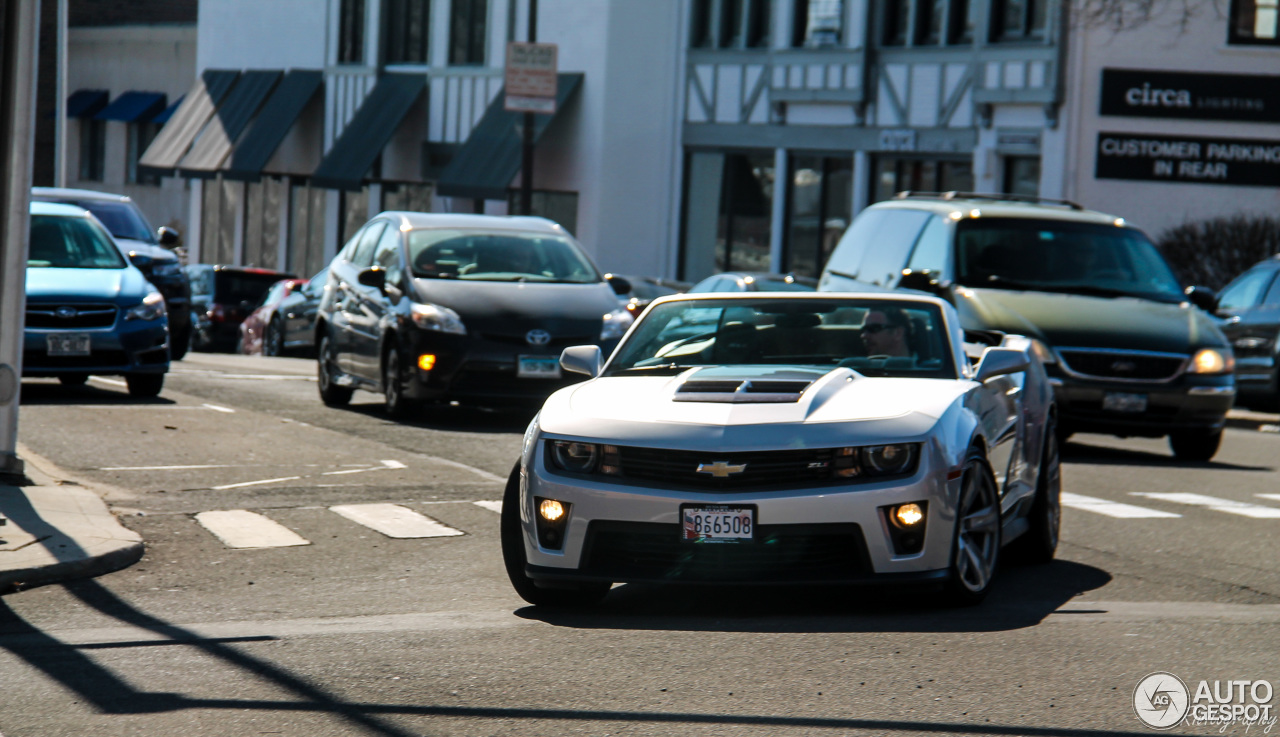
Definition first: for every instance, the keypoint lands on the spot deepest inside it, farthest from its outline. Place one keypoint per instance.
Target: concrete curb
(1255, 421)
(59, 531)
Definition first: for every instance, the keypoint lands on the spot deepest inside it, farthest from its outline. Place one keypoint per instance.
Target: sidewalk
(1257, 421)
(58, 530)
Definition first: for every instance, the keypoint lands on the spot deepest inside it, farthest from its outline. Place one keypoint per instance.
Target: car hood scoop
(741, 391)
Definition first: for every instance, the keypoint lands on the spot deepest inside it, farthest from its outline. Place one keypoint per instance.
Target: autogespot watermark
(1163, 701)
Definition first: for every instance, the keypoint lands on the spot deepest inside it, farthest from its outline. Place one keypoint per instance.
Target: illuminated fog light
(908, 515)
(551, 510)
(426, 362)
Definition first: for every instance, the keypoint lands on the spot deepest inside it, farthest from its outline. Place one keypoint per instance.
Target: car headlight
(166, 268)
(152, 308)
(577, 457)
(616, 324)
(888, 460)
(440, 319)
(1043, 352)
(1212, 361)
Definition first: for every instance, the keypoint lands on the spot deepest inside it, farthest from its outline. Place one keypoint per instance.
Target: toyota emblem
(537, 337)
(65, 313)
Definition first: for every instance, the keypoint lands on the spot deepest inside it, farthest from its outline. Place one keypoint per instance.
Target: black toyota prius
(471, 308)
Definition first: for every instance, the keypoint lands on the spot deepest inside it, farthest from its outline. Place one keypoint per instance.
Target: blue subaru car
(89, 311)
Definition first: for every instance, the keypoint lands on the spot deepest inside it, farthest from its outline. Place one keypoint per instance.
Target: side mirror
(620, 285)
(167, 236)
(582, 359)
(1001, 361)
(374, 277)
(924, 281)
(1202, 297)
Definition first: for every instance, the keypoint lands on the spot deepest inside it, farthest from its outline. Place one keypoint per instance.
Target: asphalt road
(352, 632)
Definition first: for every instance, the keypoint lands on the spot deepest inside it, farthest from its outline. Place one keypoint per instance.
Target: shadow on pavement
(50, 393)
(1076, 451)
(1022, 597)
(457, 418)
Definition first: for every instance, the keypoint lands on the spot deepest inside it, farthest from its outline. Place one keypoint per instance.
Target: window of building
(927, 22)
(893, 174)
(93, 149)
(306, 229)
(137, 137)
(818, 23)
(406, 197)
(1019, 19)
(819, 209)
(897, 17)
(1021, 175)
(405, 31)
(558, 207)
(730, 24)
(351, 32)
(263, 202)
(1254, 22)
(735, 234)
(468, 21)
(929, 19)
(354, 207)
(219, 205)
(962, 21)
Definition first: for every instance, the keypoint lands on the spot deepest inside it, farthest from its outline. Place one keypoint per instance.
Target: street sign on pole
(531, 78)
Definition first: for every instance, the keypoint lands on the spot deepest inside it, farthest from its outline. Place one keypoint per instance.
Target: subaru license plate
(713, 524)
(1124, 402)
(68, 344)
(538, 367)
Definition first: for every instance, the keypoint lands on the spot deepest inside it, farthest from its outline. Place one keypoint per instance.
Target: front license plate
(717, 524)
(538, 367)
(1124, 402)
(68, 344)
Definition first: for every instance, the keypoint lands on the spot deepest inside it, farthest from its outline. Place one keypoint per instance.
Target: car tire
(330, 393)
(513, 557)
(1040, 542)
(144, 385)
(975, 544)
(397, 405)
(179, 343)
(1195, 445)
(273, 338)
(73, 379)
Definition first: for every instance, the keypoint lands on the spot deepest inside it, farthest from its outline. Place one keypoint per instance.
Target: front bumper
(1188, 402)
(472, 367)
(822, 534)
(140, 346)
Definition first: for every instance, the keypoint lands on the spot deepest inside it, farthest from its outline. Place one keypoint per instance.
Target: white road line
(491, 506)
(216, 408)
(1110, 508)
(112, 382)
(1273, 497)
(394, 520)
(239, 528)
(393, 464)
(1268, 428)
(162, 468)
(385, 465)
(472, 469)
(1244, 509)
(255, 483)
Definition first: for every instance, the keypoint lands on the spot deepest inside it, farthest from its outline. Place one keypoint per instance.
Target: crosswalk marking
(1110, 508)
(255, 483)
(394, 520)
(239, 528)
(1257, 511)
(491, 506)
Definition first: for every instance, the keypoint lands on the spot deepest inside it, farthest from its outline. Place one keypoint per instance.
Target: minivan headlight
(166, 268)
(1212, 361)
(616, 324)
(152, 308)
(440, 319)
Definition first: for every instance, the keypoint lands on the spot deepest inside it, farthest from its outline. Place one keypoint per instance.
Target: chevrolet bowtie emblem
(721, 469)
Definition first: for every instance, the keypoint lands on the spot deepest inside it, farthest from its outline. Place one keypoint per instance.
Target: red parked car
(221, 298)
(285, 318)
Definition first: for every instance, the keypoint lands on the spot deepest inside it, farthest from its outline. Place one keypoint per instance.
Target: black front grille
(643, 551)
(97, 359)
(1123, 365)
(45, 316)
(556, 341)
(760, 468)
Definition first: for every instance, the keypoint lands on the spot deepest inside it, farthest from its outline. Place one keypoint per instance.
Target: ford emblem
(65, 313)
(537, 337)
(1124, 367)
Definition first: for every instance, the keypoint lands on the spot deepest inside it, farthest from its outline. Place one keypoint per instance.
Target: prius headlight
(1212, 361)
(440, 319)
(152, 308)
(616, 324)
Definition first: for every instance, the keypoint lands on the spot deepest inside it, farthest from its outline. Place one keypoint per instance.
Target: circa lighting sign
(1252, 98)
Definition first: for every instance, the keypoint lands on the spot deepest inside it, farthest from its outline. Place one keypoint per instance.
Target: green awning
(353, 154)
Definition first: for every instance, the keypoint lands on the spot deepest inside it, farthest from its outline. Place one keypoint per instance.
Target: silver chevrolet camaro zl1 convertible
(787, 439)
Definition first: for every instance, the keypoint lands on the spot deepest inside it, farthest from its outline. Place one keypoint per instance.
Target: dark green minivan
(1129, 351)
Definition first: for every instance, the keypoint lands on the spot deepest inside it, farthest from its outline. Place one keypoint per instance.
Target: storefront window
(892, 175)
(728, 213)
(406, 197)
(306, 230)
(1022, 175)
(1255, 22)
(220, 203)
(262, 222)
(818, 23)
(819, 209)
(355, 213)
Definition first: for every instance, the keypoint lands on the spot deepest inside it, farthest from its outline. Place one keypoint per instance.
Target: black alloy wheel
(330, 393)
(975, 547)
(1195, 445)
(1040, 542)
(513, 557)
(396, 403)
(144, 385)
(73, 379)
(273, 338)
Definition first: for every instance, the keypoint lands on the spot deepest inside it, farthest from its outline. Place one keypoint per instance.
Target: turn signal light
(426, 361)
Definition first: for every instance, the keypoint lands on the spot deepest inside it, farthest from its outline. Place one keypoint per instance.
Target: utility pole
(60, 102)
(526, 153)
(19, 31)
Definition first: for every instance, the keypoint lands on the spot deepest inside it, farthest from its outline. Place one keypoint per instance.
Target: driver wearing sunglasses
(885, 333)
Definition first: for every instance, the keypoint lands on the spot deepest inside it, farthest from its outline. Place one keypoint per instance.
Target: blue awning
(134, 107)
(84, 103)
(168, 112)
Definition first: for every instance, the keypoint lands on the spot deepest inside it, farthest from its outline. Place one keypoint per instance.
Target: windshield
(121, 219)
(1082, 258)
(876, 337)
(498, 256)
(71, 243)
